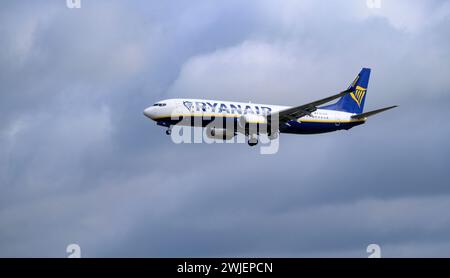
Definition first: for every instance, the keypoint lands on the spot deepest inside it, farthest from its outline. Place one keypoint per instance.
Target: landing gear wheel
(252, 142)
(168, 131)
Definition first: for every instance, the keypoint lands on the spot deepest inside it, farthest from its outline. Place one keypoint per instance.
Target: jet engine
(253, 124)
(252, 119)
(220, 133)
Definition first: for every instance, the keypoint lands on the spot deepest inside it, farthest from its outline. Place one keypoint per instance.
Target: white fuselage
(174, 108)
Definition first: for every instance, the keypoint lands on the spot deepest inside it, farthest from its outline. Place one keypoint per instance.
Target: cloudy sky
(79, 163)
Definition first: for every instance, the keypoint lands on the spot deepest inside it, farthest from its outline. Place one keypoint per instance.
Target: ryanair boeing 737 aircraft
(255, 119)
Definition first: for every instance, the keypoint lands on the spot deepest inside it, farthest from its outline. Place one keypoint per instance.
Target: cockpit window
(159, 104)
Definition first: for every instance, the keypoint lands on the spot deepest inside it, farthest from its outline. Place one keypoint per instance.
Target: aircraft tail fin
(354, 102)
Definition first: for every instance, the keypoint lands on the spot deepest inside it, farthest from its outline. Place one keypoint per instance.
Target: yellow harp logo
(358, 94)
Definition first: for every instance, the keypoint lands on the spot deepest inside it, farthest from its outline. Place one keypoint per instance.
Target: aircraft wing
(367, 114)
(299, 111)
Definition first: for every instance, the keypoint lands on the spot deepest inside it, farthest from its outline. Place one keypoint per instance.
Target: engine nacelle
(253, 124)
(252, 119)
(220, 133)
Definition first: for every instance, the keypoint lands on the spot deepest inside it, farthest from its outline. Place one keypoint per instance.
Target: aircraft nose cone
(149, 113)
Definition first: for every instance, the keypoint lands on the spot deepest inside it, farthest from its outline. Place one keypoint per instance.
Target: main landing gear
(253, 138)
(252, 141)
(169, 131)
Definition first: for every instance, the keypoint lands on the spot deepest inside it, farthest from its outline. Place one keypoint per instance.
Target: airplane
(253, 120)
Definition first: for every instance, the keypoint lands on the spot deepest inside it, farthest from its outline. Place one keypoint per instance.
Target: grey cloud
(80, 163)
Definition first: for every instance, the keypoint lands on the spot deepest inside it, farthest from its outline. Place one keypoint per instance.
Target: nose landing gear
(169, 131)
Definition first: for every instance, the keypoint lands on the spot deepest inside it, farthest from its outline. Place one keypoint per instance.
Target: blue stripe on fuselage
(295, 127)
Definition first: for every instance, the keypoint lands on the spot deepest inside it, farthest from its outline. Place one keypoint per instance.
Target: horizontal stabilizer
(370, 113)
